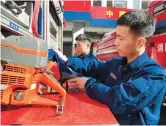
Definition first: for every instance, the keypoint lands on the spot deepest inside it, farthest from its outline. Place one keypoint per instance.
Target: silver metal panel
(9, 24)
(13, 57)
(22, 19)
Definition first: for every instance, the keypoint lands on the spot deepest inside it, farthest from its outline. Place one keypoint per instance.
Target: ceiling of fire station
(96, 33)
(93, 35)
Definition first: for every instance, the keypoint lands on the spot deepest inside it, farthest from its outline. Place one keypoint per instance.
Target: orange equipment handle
(53, 66)
(46, 79)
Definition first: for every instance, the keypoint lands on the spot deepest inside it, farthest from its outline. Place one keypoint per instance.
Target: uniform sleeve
(74, 63)
(77, 65)
(51, 53)
(91, 67)
(126, 97)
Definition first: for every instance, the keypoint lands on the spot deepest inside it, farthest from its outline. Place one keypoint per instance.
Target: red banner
(79, 6)
(107, 12)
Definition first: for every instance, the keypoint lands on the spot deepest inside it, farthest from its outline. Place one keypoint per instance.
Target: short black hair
(139, 21)
(83, 37)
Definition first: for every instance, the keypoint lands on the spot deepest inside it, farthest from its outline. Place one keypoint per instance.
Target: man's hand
(60, 54)
(78, 82)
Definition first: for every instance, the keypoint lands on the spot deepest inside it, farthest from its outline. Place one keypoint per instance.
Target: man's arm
(126, 97)
(88, 67)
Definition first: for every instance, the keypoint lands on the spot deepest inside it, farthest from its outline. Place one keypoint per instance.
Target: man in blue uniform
(133, 85)
(81, 62)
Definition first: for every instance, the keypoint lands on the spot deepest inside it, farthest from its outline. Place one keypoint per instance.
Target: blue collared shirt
(133, 91)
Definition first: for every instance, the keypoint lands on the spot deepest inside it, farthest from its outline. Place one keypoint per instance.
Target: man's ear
(141, 41)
